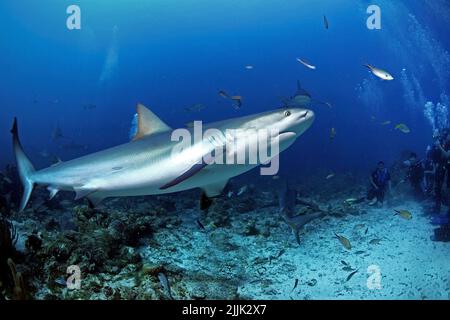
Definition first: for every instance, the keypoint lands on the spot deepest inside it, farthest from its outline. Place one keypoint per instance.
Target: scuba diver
(441, 155)
(415, 175)
(379, 181)
(441, 159)
(429, 168)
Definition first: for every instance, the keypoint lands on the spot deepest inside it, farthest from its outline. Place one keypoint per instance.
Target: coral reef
(164, 247)
(8, 239)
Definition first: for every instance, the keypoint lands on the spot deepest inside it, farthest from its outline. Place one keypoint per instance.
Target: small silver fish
(200, 225)
(165, 284)
(295, 285)
(8, 180)
(351, 275)
(61, 281)
(325, 22)
(383, 75)
(242, 190)
(328, 177)
(306, 64)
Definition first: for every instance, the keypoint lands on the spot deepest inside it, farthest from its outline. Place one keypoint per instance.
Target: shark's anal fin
(148, 123)
(82, 192)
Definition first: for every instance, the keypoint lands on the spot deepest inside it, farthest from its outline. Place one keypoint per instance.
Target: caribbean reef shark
(301, 99)
(152, 163)
(287, 199)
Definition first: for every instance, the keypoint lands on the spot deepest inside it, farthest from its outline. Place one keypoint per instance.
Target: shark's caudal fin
(24, 166)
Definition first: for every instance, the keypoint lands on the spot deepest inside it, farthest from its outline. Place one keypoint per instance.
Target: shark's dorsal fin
(57, 161)
(148, 123)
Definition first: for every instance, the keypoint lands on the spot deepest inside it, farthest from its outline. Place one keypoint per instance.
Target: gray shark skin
(287, 200)
(148, 164)
(300, 99)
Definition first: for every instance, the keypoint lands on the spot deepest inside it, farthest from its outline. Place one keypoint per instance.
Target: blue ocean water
(75, 92)
(172, 54)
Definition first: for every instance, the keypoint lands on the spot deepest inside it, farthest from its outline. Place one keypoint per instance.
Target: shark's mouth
(287, 134)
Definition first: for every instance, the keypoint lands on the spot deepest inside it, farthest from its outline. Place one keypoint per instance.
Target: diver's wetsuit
(442, 171)
(381, 179)
(428, 167)
(415, 176)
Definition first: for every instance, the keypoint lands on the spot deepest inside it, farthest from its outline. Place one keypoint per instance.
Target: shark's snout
(307, 115)
(304, 119)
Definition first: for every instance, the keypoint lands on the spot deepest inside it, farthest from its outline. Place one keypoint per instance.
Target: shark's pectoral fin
(194, 169)
(148, 123)
(186, 175)
(82, 192)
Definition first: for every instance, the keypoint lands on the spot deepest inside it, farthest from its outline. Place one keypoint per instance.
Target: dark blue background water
(172, 54)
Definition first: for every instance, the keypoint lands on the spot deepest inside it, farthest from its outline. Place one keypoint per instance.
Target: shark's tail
(24, 166)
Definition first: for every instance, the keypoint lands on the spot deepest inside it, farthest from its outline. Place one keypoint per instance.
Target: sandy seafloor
(246, 251)
(411, 266)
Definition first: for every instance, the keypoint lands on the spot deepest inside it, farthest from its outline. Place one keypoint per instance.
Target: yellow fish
(403, 128)
(405, 214)
(386, 123)
(344, 241)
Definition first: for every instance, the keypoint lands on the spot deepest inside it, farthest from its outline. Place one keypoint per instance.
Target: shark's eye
(287, 113)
